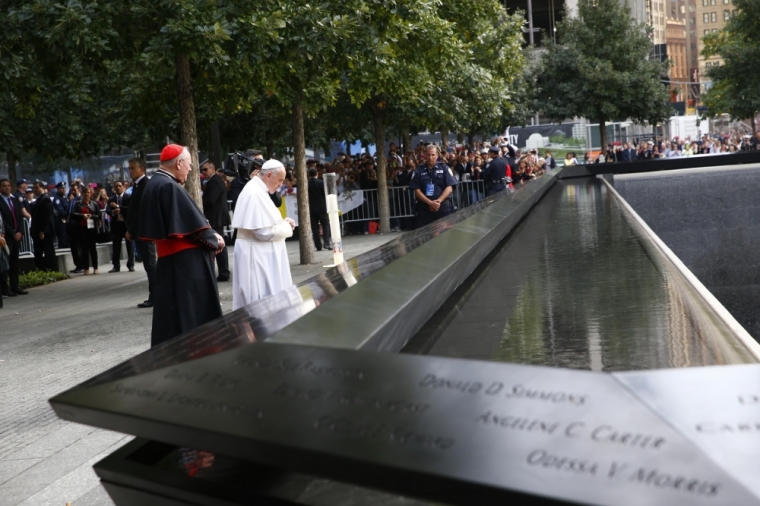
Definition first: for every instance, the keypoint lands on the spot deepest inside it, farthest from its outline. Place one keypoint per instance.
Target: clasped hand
(291, 223)
(220, 240)
(435, 205)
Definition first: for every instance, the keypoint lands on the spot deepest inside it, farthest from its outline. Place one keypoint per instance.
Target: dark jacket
(215, 202)
(133, 214)
(10, 229)
(60, 206)
(21, 198)
(42, 216)
(317, 201)
(123, 207)
(78, 216)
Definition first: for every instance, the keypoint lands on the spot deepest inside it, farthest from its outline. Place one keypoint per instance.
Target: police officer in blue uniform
(61, 214)
(432, 183)
(495, 173)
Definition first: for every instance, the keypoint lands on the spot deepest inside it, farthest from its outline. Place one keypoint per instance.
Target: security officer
(495, 173)
(61, 214)
(22, 185)
(432, 183)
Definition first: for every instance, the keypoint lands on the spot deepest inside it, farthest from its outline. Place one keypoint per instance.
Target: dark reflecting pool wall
(709, 218)
(573, 287)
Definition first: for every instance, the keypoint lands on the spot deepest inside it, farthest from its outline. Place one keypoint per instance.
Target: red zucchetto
(171, 151)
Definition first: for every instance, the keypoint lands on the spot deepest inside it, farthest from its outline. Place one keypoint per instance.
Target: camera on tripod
(243, 164)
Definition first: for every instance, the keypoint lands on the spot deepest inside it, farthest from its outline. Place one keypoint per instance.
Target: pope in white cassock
(261, 259)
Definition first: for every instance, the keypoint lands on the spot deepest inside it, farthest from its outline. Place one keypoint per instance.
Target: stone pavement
(60, 335)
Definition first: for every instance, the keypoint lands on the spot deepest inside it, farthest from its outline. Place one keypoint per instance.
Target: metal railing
(403, 203)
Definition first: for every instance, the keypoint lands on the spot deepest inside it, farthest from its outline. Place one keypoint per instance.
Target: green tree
(483, 85)
(736, 86)
(601, 69)
(397, 62)
(49, 98)
(186, 49)
(299, 50)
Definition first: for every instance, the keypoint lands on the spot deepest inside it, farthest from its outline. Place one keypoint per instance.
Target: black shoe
(114, 270)
(220, 278)
(131, 269)
(19, 291)
(78, 271)
(145, 304)
(138, 260)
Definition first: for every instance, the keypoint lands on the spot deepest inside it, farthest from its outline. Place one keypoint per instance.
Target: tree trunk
(348, 148)
(752, 121)
(216, 145)
(378, 115)
(299, 153)
(187, 127)
(603, 134)
(444, 138)
(407, 140)
(471, 140)
(11, 158)
(460, 138)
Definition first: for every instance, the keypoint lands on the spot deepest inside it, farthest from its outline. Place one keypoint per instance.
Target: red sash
(166, 247)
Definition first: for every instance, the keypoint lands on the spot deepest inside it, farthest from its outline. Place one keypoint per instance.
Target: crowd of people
(658, 148)
(77, 218)
(80, 216)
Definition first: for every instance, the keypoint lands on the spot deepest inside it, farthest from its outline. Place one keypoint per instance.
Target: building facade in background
(711, 17)
(675, 40)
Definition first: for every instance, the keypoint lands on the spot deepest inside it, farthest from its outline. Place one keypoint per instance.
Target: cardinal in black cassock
(186, 295)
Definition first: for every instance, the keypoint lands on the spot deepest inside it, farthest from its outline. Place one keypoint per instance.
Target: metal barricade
(467, 193)
(26, 238)
(402, 203)
(103, 226)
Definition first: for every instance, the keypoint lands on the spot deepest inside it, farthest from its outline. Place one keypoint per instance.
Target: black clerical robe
(186, 295)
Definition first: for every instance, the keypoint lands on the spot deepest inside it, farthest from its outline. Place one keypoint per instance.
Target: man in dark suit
(117, 208)
(43, 230)
(14, 227)
(629, 153)
(60, 214)
(217, 213)
(318, 210)
(147, 249)
(72, 228)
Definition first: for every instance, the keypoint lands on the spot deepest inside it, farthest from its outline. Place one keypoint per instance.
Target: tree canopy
(601, 69)
(735, 83)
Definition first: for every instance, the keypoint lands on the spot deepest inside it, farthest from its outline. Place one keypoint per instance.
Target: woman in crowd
(87, 213)
(569, 160)
(102, 199)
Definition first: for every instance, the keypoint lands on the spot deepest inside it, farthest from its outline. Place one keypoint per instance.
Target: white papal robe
(261, 266)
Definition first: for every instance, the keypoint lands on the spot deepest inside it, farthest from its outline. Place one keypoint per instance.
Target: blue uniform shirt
(440, 176)
(60, 206)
